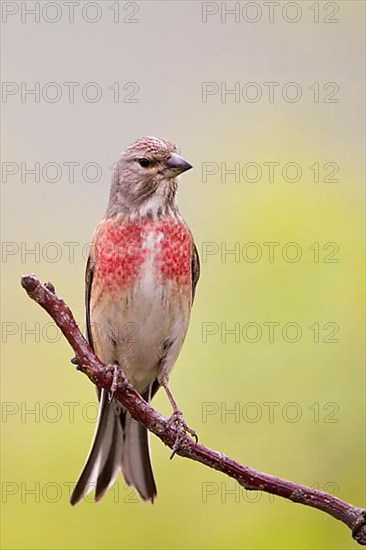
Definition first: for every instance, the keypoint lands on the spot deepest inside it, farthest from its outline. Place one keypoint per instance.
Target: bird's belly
(136, 323)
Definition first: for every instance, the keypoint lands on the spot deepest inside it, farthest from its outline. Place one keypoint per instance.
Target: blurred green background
(314, 387)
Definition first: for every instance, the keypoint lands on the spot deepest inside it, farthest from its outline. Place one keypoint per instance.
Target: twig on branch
(104, 376)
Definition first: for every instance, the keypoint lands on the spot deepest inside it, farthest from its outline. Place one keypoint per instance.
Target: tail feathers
(108, 474)
(107, 442)
(120, 443)
(136, 464)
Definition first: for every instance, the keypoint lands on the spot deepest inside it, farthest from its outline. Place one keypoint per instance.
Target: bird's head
(144, 181)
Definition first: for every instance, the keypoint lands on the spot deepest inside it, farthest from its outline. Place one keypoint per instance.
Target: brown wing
(89, 272)
(88, 285)
(196, 270)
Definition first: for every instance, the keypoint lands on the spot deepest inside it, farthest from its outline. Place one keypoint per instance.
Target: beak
(176, 165)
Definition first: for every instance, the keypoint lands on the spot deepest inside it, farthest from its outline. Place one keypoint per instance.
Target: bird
(140, 283)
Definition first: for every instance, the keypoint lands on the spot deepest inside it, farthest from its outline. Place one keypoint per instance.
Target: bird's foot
(114, 384)
(177, 420)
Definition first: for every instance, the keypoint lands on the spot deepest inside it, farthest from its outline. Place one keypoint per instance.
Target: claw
(50, 287)
(178, 420)
(114, 384)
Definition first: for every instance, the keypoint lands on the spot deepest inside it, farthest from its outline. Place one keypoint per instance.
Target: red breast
(122, 247)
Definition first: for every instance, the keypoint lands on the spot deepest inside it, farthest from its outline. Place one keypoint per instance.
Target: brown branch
(102, 376)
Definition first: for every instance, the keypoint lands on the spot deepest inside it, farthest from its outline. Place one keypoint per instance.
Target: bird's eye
(144, 162)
